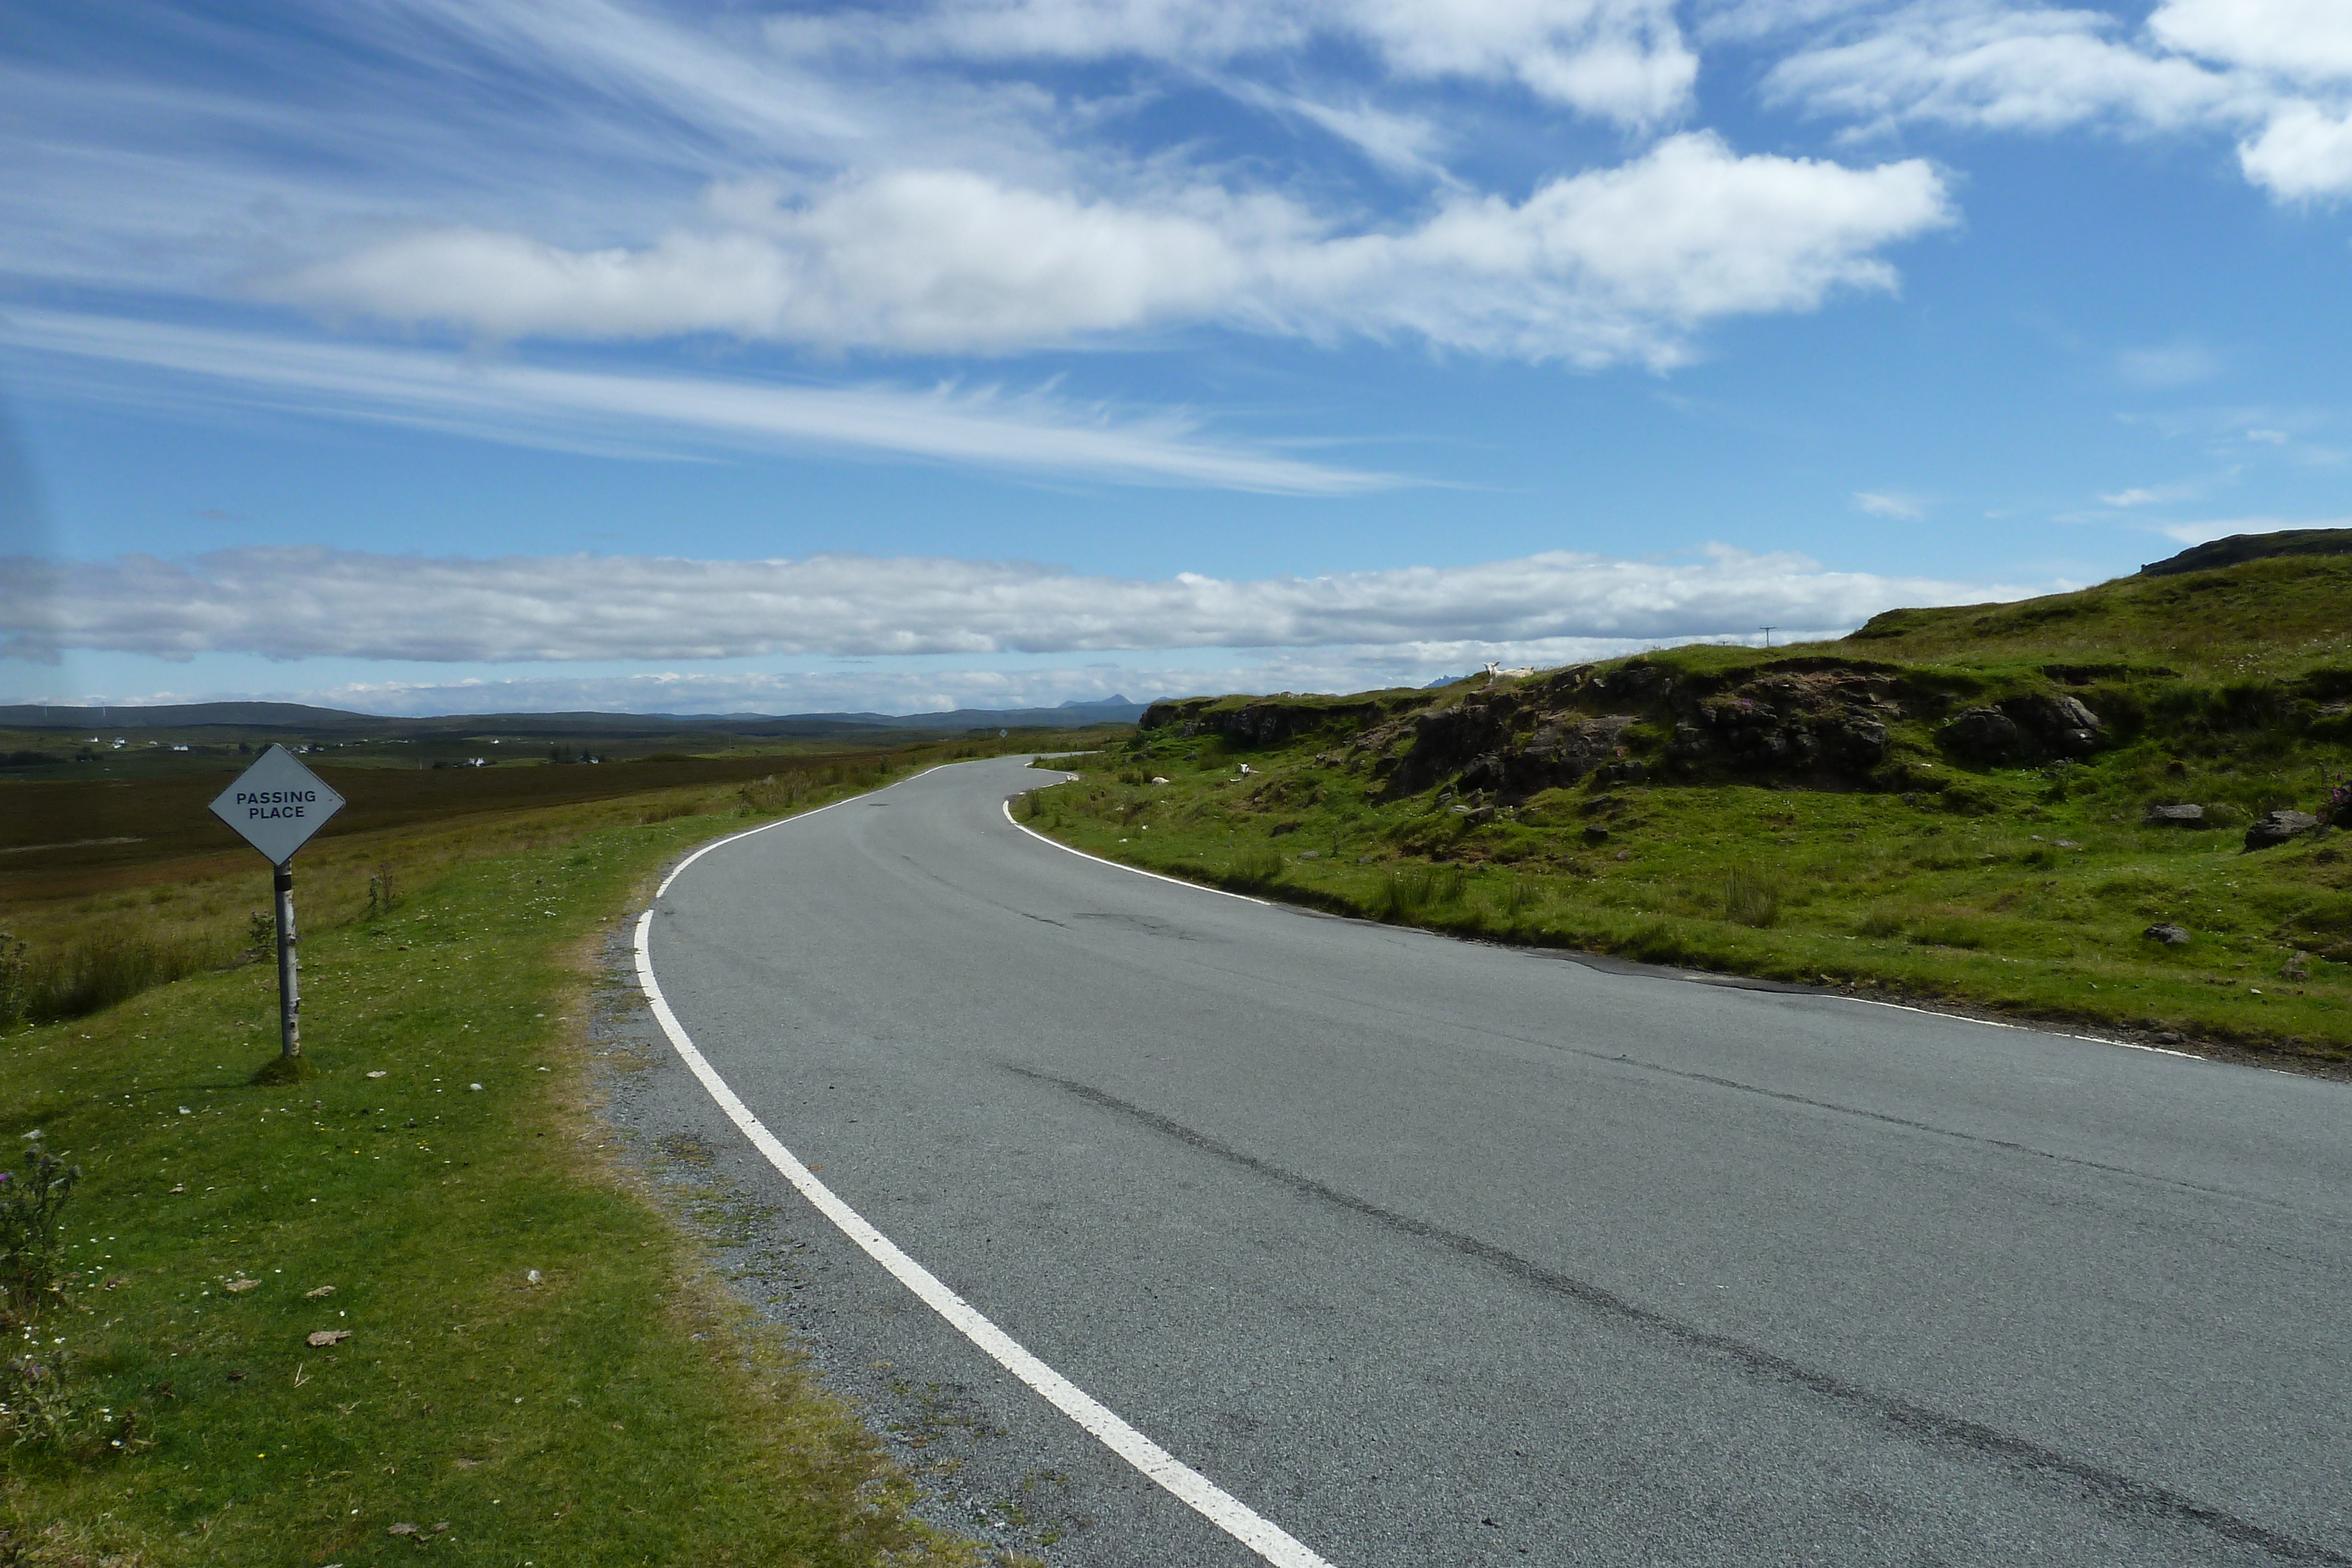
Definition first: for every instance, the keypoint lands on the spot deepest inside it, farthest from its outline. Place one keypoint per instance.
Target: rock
(2058, 721)
(2169, 934)
(1595, 833)
(241, 1285)
(1310, 854)
(2174, 817)
(403, 1529)
(377, 1074)
(321, 1291)
(1157, 779)
(2279, 827)
(1281, 828)
(325, 1337)
(1984, 734)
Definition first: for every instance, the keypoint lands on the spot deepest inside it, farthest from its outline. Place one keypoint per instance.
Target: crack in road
(2110, 1488)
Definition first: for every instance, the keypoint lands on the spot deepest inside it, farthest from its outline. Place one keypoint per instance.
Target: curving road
(1436, 1253)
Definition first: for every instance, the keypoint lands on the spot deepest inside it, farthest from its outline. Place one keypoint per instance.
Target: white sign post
(274, 806)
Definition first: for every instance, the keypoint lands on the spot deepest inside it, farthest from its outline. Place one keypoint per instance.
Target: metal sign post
(274, 806)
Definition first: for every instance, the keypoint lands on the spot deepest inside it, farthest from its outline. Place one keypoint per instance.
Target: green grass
(618, 1410)
(2024, 890)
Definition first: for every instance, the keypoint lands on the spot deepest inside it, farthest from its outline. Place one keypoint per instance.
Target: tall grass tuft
(1520, 894)
(1750, 897)
(1417, 889)
(1256, 866)
(107, 967)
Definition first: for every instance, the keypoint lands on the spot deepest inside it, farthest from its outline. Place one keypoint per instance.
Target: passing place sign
(277, 804)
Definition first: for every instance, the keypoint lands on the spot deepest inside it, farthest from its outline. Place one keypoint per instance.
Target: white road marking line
(679, 869)
(1219, 1506)
(1867, 1001)
(1170, 881)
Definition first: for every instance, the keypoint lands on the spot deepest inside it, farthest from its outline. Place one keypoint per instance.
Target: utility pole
(1767, 636)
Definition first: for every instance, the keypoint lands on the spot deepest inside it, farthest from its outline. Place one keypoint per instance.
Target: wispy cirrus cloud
(299, 603)
(1887, 504)
(655, 414)
(2275, 74)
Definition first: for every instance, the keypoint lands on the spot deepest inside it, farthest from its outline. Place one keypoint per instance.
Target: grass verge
(2035, 902)
(537, 1368)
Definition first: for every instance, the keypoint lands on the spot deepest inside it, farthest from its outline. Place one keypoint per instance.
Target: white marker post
(274, 806)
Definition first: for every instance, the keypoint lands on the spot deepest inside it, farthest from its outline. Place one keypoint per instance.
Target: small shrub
(1750, 897)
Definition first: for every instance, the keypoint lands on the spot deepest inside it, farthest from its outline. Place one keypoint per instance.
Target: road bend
(1437, 1253)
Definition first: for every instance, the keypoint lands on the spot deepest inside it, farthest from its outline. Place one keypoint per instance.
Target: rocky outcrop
(1805, 717)
(1260, 722)
(2174, 817)
(2031, 729)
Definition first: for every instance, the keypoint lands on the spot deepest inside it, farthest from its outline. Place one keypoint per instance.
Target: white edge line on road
(1219, 1506)
(1120, 866)
(1865, 1001)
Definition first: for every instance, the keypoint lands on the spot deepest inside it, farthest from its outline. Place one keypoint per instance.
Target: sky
(424, 356)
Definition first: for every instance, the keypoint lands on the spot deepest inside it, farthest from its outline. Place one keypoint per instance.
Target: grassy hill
(1951, 804)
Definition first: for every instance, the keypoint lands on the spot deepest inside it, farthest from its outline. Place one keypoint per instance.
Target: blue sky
(414, 356)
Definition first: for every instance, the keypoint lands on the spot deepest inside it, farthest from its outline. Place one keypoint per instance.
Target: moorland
(2060, 809)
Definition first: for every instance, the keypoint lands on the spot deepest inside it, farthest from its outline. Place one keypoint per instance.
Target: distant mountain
(298, 716)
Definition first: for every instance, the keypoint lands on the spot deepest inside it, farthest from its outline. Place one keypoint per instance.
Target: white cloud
(2303, 153)
(2172, 365)
(1621, 60)
(2148, 496)
(636, 414)
(1986, 65)
(1611, 266)
(2308, 40)
(307, 602)
(1882, 504)
(2274, 73)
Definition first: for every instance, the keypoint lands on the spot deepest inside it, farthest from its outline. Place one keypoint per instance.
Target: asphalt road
(1435, 1252)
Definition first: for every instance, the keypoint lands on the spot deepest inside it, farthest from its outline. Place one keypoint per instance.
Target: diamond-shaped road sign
(277, 804)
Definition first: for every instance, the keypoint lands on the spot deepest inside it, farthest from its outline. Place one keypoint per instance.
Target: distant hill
(297, 717)
(2239, 548)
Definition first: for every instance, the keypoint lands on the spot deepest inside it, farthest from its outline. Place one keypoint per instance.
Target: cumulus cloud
(1615, 265)
(658, 415)
(2277, 74)
(306, 602)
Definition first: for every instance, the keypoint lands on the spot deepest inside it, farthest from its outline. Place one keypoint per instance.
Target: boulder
(2169, 934)
(2058, 721)
(1984, 734)
(2174, 817)
(2278, 827)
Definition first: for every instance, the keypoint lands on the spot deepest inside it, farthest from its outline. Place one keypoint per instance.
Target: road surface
(1432, 1252)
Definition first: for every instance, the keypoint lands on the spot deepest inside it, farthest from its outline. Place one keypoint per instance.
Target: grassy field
(538, 1367)
(2027, 887)
(112, 887)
